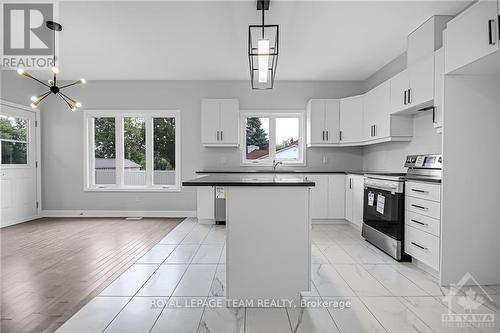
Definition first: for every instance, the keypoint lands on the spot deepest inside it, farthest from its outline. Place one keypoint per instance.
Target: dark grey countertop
(243, 179)
(282, 171)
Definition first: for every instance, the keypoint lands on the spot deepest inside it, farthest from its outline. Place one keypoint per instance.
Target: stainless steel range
(383, 205)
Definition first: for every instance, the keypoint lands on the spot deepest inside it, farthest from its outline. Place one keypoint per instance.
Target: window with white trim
(132, 150)
(269, 137)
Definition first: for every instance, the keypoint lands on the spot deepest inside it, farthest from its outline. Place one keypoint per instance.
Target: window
(14, 140)
(137, 151)
(269, 137)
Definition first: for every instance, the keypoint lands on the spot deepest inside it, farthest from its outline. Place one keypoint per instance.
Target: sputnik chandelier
(52, 83)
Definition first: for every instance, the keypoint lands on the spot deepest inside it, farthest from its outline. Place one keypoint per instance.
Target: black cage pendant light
(52, 83)
(263, 42)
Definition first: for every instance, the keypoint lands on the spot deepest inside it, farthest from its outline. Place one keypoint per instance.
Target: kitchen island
(268, 244)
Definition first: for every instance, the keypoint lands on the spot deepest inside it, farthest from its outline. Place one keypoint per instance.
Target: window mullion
(149, 151)
(119, 150)
(272, 138)
(91, 150)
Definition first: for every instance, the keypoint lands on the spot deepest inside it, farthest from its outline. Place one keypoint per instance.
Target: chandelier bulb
(78, 104)
(34, 99)
(55, 70)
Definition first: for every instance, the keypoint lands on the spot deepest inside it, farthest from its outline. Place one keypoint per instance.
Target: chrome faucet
(276, 163)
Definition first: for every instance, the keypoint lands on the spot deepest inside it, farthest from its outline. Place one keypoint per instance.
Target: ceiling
(207, 40)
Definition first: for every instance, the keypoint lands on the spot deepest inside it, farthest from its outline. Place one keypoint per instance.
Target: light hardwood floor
(50, 268)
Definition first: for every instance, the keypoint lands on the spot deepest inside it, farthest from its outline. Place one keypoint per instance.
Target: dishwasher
(220, 205)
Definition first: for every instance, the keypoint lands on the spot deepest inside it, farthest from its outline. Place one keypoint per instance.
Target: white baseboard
(117, 213)
(20, 221)
(329, 221)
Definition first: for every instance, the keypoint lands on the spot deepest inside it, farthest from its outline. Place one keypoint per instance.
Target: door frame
(37, 147)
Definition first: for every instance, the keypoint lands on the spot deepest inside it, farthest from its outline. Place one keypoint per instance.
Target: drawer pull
(421, 223)
(419, 207)
(419, 191)
(419, 246)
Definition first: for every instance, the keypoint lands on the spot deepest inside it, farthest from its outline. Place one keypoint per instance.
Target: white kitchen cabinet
(376, 113)
(426, 39)
(336, 196)
(354, 199)
(322, 122)
(220, 122)
(471, 35)
(413, 88)
(319, 196)
(437, 117)
(205, 205)
(351, 119)
(328, 196)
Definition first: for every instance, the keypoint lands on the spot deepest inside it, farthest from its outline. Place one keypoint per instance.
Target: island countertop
(249, 180)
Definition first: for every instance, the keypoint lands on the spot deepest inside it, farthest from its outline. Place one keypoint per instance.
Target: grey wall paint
(390, 156)
(392, 68)
(17, 89)
(62, 136)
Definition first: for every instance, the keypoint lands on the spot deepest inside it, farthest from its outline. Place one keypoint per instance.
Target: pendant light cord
(54, 57)
(262, 20)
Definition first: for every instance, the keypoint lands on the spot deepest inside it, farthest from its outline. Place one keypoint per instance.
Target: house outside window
(268, 137)
(132, 151)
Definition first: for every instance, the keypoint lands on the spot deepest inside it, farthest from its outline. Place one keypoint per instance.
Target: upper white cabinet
(376, 117)
(322, 122)
(219, 122)
(471, 35)
(426, 39)
(351, 120)
(413, 88)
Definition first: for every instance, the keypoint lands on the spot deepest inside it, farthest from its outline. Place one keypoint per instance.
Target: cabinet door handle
(374, 130)
(434, 114)
(323, 135)
(491, 38)
(421, 223)
(221, 135)
(409, 96)
(420, 246)
(340, 135)
(326, 135)
(419, 191)
(404, 97)
(350, 182)
(419, 207)
(217, 135)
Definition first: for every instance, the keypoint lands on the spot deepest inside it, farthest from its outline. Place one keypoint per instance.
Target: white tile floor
(174, 287)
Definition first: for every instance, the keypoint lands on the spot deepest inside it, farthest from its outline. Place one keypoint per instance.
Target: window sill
(133, 189)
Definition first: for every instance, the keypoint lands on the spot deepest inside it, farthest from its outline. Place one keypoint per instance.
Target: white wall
(390, 156)
(62, 134)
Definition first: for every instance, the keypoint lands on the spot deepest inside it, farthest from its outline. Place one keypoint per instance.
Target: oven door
(383, 211)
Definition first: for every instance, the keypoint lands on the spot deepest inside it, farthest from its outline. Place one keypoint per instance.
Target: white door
(357, 201)
(422, 81)
(229, 119)
(399, 89)
(348, 198)
(18, 174)
(336, 196)
(319, 196)
(471, 35)
(332, 118)
(351, 119)
(316, 122)
(210, 121)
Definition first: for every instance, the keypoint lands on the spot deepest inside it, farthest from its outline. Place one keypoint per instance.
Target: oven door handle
(380, 187)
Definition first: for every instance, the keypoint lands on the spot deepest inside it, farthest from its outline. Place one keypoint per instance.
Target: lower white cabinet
(205, 207)
(328, 196)
(354, 189)
(423, 222)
